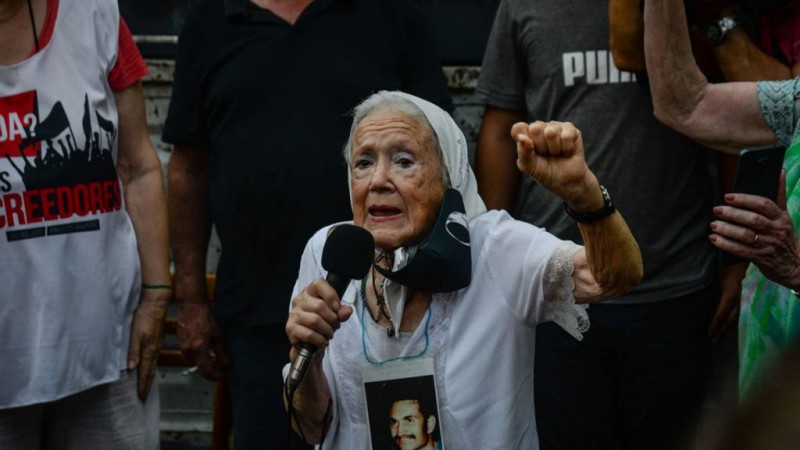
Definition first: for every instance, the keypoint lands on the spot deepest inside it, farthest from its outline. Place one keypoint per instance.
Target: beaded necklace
(383, 312)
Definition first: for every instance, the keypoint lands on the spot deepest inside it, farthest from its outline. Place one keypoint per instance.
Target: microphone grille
(348, 251)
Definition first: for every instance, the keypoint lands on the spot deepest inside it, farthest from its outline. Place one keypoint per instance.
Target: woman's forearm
(611, 263)
(725, 116)
(676, 82)
(148, 212)
(139, 169)
(311, 403)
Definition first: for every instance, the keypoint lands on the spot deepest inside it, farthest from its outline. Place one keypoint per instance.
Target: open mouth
(379, 211)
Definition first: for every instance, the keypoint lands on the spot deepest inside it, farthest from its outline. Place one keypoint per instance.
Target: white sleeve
(310, 263)
(559, 304)
(531, 269)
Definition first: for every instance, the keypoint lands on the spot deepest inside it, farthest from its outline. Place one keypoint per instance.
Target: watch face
(716, 32)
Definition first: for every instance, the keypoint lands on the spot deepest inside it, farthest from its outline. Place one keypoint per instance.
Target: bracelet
(607, 210)
(157, 286)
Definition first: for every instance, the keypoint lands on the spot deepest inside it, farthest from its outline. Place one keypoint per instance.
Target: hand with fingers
(316, 313)
(200, 339)
(553, 154)
(146, 334)
(760, 231)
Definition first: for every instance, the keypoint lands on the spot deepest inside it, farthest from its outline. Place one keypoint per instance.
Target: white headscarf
(454, 149)
(453, 145)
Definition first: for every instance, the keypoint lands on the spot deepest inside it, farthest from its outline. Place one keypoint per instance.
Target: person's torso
(658, 179)
(482, 347)
(71, 273)
(770, 318)
(278, 102)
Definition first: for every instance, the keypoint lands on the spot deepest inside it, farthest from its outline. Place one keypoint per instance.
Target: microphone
(347, 255)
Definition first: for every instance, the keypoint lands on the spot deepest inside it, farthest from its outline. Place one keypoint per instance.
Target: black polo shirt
(272, 102)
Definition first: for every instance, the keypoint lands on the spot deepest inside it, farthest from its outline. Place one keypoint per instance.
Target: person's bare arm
(139, 170)
(626, 37)
(496, 159)
(610, 264)
(741, 60)
(316, 313)
(310, 405)
(725, 116)
(190, 227)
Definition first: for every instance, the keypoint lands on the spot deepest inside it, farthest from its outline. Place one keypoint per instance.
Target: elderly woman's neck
(416, 304)
(384, 259)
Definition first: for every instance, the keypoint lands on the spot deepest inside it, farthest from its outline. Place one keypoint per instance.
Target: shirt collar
(241, 8)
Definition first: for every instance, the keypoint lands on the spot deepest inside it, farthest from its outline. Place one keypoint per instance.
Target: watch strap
(607, 210)
(716, 32)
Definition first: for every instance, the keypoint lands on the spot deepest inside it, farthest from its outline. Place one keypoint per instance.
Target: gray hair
(391, 101)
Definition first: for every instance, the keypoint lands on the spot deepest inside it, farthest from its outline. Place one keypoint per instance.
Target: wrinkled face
(397, 179)
(408, 427)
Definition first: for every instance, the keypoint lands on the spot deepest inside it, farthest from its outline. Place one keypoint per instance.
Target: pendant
(390, 331)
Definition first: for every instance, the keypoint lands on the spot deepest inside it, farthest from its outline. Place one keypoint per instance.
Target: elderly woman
(728, 117)
(403, 155)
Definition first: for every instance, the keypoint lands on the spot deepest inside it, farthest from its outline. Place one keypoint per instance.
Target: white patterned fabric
(780, 104)
(482, 338)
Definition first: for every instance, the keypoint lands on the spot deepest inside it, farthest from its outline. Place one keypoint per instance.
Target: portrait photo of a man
(403, 414)
(413, 425)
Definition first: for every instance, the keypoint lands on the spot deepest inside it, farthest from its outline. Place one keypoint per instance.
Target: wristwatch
(716, 32)
(607, 210)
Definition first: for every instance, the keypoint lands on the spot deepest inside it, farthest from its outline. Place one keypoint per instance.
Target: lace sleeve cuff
(559, 302)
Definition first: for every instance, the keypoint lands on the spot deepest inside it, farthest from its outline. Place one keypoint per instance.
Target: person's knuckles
(536, 134)
(552, 131)
(319, 307)
(312, 337)
(319, 323)
(535, 127)
(519, 128)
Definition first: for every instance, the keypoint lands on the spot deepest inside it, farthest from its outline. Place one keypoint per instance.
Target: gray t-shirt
(552, 59)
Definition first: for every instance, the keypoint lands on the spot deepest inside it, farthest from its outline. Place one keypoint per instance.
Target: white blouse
(482, 338)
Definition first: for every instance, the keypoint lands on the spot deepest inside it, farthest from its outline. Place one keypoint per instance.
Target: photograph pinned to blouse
(403, 405)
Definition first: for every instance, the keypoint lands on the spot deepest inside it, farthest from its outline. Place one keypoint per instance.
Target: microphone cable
(292, 416)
